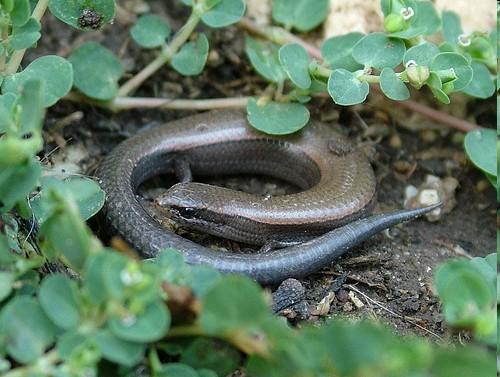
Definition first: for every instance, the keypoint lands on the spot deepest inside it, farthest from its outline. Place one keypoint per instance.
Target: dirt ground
(389, 276)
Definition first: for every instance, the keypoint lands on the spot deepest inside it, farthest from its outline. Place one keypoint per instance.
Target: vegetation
(124, 316)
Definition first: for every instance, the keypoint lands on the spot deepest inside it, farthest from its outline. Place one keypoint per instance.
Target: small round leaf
(422, 54)
(58, 300)
(54, 71)
(148, 326)
(481, 85)
(481, 147)
(452, 27)
(118, 350)
(345, 89)
(303, 15)
(337, 51)
(20, 13)
(97, 71)
(392, 86)
(460, 65)
(71, 12)
(150, 31)
(295, 62)
(225, 13)
(379, 51)
(192, 57)
(26, 35)
(264, 59)
(238, 300)
(26, 330)
(277, 118)
(177, 370)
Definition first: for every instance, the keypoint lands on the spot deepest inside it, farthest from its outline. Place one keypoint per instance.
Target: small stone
(355, 300)
(482, 185)
(395, 141)
(428, 136)
(434, 190)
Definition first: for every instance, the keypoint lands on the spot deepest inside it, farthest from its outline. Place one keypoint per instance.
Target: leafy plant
(394, 60)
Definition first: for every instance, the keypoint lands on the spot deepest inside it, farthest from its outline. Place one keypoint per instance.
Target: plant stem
(126, 103)
(277, 35)
(129, 103)
(371, 79)
(165, 56)
(18, 55)
(281, 36)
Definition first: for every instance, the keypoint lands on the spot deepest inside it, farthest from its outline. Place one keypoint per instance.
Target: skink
(337, 183)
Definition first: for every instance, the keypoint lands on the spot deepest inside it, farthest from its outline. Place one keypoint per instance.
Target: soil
(388, 277)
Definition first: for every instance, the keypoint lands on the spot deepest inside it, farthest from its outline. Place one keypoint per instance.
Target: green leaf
(295, 61)
(277, 118)
(464, 292)
(337, 51)
(97, 71)
(150, 31)
(264, 59)
(211, 354)
(392, 86)
(26, 330)
(58, 300)
(174, 269)
(225, 13)
(303, 15)
(379, 51)
(436, 86)
(54, 71)
(64, 233)
(452, 27)
(345, 89)
(481, 85)
(192, 57)
(421, 54)
(30, 102)
(236, 299)
(177, 370)
(149, 326)
(118, 350)
(17, 181)
(77, 348)
(458, 63)
(6, 280)
(203, 278)
(86, 192)
(463, 362)
(487, 267)
(480, 146)
(71, 11)
(26, 35)
(395, 6)
(21, 12)
(427, 17)
(94, 273)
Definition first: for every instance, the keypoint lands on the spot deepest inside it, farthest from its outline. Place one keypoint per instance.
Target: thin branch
(129, 103)
(376, 303)
(281, 36)
(18, 55)
(165, 56)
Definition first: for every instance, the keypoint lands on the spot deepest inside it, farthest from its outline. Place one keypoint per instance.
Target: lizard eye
(188, 212)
